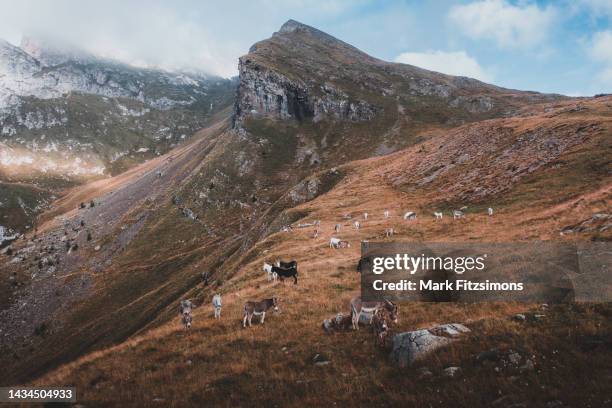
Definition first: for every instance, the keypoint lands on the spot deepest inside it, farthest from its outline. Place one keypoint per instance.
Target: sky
(562, 46)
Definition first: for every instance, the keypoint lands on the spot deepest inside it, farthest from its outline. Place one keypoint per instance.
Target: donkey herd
(379, 315)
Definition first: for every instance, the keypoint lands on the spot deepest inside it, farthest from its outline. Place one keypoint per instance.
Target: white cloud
(600, 50)
(520, 26)
(598, 7)
(451, 63)
(186, 34)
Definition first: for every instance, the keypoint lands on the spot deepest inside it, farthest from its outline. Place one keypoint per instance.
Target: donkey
(490, 211)
(358, 307)
(217, 305)
(185, 312)
(458, 214)
(286, 273)
(340, 322)
(386, 214)
(259, 309)
(410, 215)
(186, 320)
(438, 215)
(380, 325)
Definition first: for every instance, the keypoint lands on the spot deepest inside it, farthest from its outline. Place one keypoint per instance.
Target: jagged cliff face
(267, 93)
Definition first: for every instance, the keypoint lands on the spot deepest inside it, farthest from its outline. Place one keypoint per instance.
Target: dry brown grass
(223, 364)
(219, 363)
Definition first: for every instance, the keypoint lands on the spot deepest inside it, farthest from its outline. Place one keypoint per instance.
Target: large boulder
(411, 346)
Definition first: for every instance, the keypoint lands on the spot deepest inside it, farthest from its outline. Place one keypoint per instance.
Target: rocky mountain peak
(304, 74)
(292, 26)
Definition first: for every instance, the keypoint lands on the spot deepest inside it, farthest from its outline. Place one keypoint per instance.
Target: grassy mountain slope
(222, 363)
(290, 154)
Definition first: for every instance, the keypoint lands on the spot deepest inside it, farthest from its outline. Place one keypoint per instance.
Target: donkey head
(275, 304)
(187, 320)
(392, 309)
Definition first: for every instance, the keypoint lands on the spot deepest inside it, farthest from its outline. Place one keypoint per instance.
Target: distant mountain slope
(67, 116)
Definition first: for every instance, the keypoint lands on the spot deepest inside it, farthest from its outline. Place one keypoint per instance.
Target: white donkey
(458, 214)
(272, 276)
(217, 304)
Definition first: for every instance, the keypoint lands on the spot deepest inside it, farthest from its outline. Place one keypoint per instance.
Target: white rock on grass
(452, 371)
(411, 346)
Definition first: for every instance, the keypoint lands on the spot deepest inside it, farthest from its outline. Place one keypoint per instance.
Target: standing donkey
(217, 304)
(369, 308)
(258, 309)
(185, 312)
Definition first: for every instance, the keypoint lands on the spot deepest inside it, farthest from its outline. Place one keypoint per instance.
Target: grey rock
(452, 371)
(411, 346)
(514, 358)
(528, 366)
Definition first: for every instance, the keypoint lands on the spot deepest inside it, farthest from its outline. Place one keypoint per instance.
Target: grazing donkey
(389, 232)
(340, 322)
(286, 273)
(338, 243)
(438, 215)
(217, 304)
(458, 214)
(258, 309)
(185, 310)
(358, 307)
(410, 215)
(365, 215)
(357, 225)
(386, 213)
(186, 320)
(490, 211)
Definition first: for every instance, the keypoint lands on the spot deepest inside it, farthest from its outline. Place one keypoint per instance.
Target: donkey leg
(244, 321)
(356, 320)
(263, 317)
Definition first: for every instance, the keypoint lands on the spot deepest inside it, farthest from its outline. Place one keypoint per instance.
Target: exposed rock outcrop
(411, 346)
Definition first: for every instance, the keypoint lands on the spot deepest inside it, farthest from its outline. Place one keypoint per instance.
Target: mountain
(328, 86)
(319, 131)
(67, 117)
